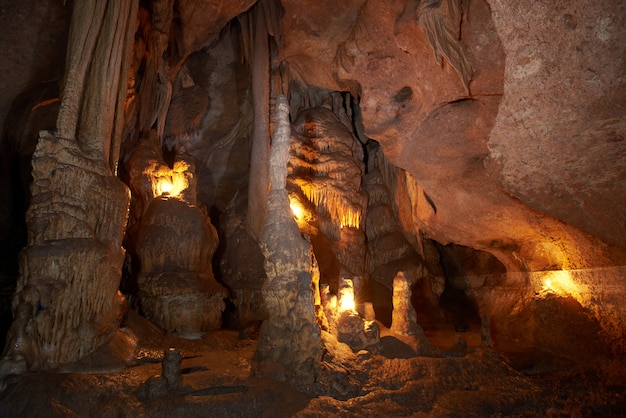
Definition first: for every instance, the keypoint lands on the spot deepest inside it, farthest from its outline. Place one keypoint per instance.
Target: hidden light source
(296, 208)
(169, 182)
(561, 282)
(346, 296)
(165, 186)
(327, 199)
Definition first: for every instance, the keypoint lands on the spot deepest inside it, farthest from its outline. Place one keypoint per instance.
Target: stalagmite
(176, 284)
(289, 345)
(404, 320)
(71, 269)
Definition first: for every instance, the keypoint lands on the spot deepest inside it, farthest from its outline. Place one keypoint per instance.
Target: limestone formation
(71, 268)
(173, 240)
(404, 320)
(357, 332)
(289, 344)
(471, 151)
(177, 289)
(325, 170)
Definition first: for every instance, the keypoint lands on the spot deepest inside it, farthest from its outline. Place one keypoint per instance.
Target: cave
(313, 208)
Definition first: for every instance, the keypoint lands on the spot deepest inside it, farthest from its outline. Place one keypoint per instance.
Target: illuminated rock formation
(173, 239)
(325, 172)
(475, 146)
(404, 319)
(177, 290)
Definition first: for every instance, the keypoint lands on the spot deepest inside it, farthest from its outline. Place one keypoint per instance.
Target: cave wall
(502, 135)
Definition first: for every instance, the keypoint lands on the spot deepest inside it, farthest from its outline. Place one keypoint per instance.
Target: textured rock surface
(65, 252)
(71, 268)
(289, 345)
(404, 320)
(558, 140)
(177, 289)
(502, 128)
(325, 170)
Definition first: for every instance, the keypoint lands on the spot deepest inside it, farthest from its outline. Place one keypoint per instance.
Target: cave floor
(216, 381)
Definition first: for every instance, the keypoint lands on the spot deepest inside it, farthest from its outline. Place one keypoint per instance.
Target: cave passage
(278, 208)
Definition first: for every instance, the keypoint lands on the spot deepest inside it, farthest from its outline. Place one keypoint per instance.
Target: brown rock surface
(502, 128)
(558, 140)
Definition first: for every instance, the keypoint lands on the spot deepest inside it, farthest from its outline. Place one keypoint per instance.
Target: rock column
(404, 318)
(67, 302)
(289, 344)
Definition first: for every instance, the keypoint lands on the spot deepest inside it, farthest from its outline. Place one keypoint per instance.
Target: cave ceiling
(515, 138)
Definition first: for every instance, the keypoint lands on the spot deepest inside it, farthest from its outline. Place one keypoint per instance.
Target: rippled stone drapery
(67, 302)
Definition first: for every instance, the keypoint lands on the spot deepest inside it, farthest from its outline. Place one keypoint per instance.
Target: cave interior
(312, 208)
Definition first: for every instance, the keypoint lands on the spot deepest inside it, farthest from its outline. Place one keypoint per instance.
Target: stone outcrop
(71, 269)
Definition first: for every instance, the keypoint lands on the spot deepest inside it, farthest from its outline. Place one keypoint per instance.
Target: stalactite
(259, 155)
(156, 90)
(440, 24)
(86, 22)
(106, 82)
(120, 111)
(272, 12)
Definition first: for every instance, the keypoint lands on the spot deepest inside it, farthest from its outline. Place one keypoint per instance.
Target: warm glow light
(166, 186)
(296, 208)
(329, 200)
(169, 181)
(561, 283)
(350, 218)
(346, 296)
(347, 303)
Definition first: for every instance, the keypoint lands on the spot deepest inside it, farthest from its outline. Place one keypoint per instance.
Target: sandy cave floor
(217, 382)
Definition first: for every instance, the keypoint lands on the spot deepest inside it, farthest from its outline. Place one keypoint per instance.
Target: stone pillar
(289, 343)
(404, 318)
(67, 302)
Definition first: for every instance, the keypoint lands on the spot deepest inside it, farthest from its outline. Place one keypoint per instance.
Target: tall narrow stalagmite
(289, 345)
(67, 301)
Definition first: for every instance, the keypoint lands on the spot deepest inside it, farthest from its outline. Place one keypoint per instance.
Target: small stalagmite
(352, 329)
(404, 318)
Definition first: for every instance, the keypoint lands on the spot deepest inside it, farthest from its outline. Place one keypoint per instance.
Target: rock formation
(404, 319)
(290, 344)
(78, 208)
(325, 171)
(477, 147)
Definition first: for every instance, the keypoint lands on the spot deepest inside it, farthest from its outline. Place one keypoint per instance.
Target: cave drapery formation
(342, 171)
